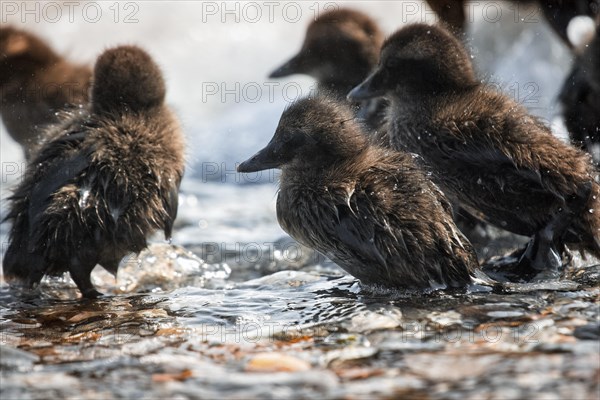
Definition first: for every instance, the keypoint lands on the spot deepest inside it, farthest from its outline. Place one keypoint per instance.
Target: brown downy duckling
(580, 98)
(35, 84)
(341, 47)
(104, 181)
(485, 150)
(371, 210)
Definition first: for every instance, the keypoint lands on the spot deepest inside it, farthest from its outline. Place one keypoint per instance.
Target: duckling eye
(393, 63)
(307, 138)
(289, 137)
(303, 138)
(294, 139)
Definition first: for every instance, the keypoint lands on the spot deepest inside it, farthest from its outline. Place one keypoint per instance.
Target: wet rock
(386, 318)
(345, 355)
(588, 332)
(12, 359)
(276, 362)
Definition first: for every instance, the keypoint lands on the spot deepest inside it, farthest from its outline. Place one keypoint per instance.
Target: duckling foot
(543, 255)
(541, 259)
(92, 294)
(81, 276)
(504, 268)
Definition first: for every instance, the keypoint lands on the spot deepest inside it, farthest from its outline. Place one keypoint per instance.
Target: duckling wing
(495, 138)
(356, 231)
(475, 154)
(377, 248)
(58, 174)
(492, 164)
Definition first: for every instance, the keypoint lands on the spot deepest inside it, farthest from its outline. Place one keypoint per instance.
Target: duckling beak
(264, 159)
(292, 66)
(370, 88)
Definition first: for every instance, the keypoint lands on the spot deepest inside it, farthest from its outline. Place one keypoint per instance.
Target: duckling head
(126, 79)
(342, 43)
(22, 53)
(418, 60)
(313, 133)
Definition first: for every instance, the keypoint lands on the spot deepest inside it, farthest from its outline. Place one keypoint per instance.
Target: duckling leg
(111, 266)
(22, 266)
(544, 251)
(36, 271)
(542, 255)
(80, 272)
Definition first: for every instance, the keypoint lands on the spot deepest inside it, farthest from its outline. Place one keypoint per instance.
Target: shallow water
(297, 334)
(234, 308)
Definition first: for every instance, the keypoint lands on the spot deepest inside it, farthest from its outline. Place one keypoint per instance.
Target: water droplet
(84, 193)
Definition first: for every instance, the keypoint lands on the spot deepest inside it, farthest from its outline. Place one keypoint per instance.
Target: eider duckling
(371, 210)
(35, 84)
(484, 149)
(339, 50)
(580, 98)
(103, 182)
(341, 47)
